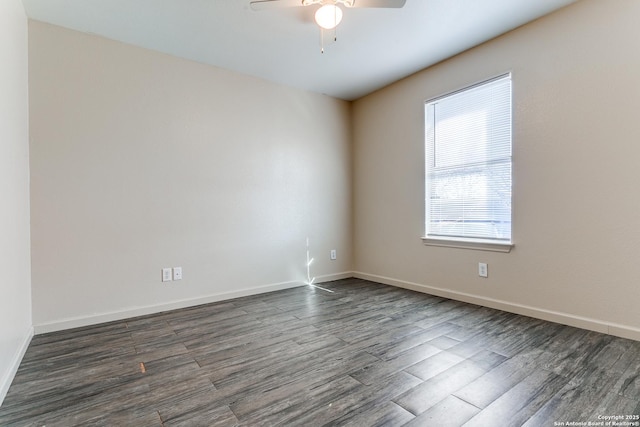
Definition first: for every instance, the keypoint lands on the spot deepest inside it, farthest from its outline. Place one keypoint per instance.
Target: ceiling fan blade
(273, 4)
(379, 3)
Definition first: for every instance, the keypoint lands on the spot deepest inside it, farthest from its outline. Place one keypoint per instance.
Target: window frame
(466, 242)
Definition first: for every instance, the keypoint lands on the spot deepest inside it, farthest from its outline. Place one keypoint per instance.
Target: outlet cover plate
(483, 269)
(177, 273)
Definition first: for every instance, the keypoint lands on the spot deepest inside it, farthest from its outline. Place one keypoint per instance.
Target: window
(468, 166)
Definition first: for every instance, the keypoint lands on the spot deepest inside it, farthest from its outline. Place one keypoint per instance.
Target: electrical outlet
(483, 269)
(166, 275)
(177, 273)
(333, 254)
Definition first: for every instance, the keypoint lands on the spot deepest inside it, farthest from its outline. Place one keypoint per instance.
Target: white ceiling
(375, 47)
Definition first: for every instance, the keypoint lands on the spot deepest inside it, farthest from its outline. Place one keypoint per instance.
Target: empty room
(319, 213)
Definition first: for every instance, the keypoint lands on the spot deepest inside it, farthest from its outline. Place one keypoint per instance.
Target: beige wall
(576, 142)
(15, 283)
(141, 161)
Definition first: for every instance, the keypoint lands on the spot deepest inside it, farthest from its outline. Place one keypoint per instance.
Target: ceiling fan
(329, 14)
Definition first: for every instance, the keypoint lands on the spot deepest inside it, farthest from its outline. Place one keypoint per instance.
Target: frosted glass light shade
(328, 16)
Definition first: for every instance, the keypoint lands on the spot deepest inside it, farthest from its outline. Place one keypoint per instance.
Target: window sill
(479, 245)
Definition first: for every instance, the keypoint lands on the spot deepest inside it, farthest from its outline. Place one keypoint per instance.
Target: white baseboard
(77, 322)
(336, 276)
(622, 331)
(7, 378)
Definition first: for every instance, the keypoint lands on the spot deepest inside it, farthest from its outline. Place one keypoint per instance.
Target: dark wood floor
(365, 355)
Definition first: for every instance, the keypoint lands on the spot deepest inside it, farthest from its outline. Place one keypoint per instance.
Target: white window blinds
(468, 163)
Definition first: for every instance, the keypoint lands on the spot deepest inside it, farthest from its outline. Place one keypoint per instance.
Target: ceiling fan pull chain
(335, 19)
(321, 40)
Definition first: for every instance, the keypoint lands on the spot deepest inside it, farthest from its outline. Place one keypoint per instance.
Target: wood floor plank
(218, 352)
(518, 404)
(629, 383)
(195, 403)
(264, 364)
(148, 352)
(358, 402)
(293, 407)
(140, 417)
(380, 369)
(389, 342)
(444, 342)
(613, 403)
(577, 398)
(386, 414)
(432, 391)
(449, 412)
(76, 405)
(481, 392)
(365, 354)
(217, 416)
(274, 389)
(434, 365)
(387, 348)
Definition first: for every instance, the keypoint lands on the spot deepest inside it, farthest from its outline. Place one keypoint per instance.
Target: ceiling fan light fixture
(328, 16)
